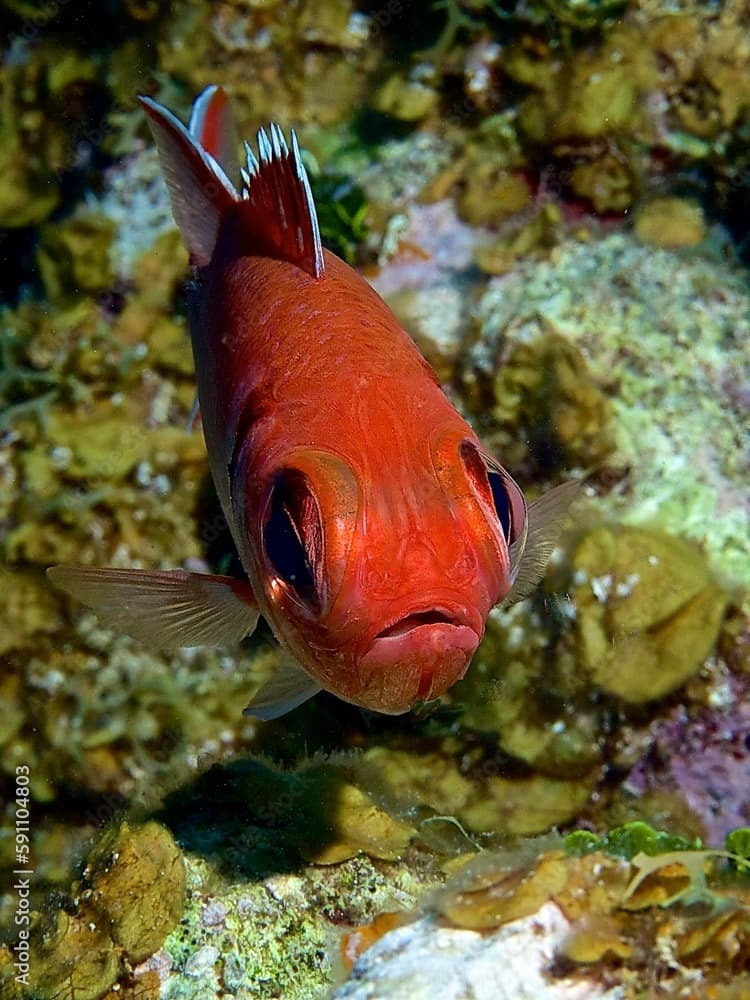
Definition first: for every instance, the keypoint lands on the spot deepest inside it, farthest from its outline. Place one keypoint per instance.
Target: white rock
(423, 961)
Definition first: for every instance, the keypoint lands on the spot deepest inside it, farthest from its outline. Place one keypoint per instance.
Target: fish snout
(417, 658)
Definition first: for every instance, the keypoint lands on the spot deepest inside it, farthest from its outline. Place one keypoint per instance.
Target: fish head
(437, 550)
(380, 583)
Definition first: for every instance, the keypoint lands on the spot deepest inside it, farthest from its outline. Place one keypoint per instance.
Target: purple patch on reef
(445, 244)
(706, 758)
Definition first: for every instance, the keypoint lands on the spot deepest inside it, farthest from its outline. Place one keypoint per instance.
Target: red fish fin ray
(289, 687)
(163, 609)
(278, 212)
(199, 190)
(212, 126)
(546, 517)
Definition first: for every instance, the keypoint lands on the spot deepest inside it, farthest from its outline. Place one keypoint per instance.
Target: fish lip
(429, 615)
(416, 660)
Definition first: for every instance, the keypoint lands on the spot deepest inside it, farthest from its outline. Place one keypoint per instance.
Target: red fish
(375, 531)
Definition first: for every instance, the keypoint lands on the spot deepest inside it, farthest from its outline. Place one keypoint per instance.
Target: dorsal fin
(277, 203)
(212, 126)
(200, 191)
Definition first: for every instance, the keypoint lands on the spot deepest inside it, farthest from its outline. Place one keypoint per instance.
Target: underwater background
(554, 198)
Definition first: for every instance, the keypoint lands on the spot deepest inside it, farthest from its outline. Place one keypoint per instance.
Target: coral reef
(310, 63)
(646, 322)
(39, 89)
(704, 757)
(129, 897)
(594, 917)
(275, 863)
(462, 154)
(276, 935)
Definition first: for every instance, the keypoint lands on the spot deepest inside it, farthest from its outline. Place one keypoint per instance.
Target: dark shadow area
(250, 820)
(16, 262)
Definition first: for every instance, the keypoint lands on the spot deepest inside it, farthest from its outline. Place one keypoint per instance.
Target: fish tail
(274, 207)
(199, 188)
(212, 126)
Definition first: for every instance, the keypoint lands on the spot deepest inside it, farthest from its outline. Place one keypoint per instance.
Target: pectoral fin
(163, 609)
(546, 517)
(289, 687)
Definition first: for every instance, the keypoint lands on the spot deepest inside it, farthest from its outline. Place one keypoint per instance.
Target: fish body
(335, 422)
(375, 531)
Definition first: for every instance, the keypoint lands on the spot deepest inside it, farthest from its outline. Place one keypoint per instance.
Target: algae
(645, 322)
(545, 391)
(648, 611)
(670, 223)
(130, 896)
(311, 64)
(342, 211)
(635, 868)
(73, 257)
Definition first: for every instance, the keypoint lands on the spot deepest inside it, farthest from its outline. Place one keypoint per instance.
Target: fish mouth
(417, 657)
(416, 619)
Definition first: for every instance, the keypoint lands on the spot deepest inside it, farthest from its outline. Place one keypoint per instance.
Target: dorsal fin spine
(264, 147)
(276, 211)
(252, 163)
(276, 181)
(304, 180)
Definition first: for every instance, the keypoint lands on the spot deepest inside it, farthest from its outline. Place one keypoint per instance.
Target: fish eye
(489, 478)
(502, 503)
(293, 536)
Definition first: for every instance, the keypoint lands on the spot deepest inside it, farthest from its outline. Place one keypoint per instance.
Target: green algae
(342, 210)
(26, 387)
(648, 611)
(628, 840)
(73, 257)
(737, 842)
